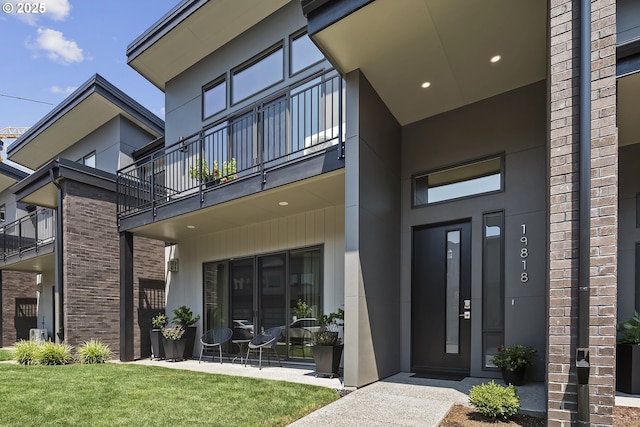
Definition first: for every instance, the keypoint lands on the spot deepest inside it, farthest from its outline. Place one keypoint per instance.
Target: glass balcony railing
(28, 233)
(303, 121)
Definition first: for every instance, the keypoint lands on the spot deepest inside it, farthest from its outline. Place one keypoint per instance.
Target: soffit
(315, 193)
(628, 96)
(181, 39)
(399, 44)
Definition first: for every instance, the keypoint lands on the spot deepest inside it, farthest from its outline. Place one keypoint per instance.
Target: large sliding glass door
(284, 282)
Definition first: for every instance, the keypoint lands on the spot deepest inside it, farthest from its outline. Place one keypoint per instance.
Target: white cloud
(30, 12)
(67, 90)
(57, 47)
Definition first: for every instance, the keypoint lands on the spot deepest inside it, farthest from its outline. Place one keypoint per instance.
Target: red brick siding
(563, 208)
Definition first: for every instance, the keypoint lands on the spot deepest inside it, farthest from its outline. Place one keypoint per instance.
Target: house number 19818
(524, 254)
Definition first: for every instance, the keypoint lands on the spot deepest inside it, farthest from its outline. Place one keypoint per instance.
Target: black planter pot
(628, 368)
(174, 349)
(327, 359)
(514, 377)
(157, 349)
(190, 338)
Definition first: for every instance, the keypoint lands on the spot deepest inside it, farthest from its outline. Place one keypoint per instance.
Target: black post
(126, 296)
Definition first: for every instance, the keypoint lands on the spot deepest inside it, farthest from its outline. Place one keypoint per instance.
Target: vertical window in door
(216, 295)
(453, 292)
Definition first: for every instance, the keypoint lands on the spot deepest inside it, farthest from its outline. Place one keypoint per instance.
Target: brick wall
(92, 267)
(563, 206)
(15, 284)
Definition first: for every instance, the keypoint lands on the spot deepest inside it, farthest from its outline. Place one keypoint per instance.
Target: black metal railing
(302, 121)
(28, 233)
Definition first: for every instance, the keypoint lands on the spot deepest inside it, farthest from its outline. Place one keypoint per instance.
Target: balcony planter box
(327, 358)
(157, 349)
(174, 349)
(628, 368)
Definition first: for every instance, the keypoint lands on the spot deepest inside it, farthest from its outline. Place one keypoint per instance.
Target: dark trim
(126, 297)
(584, 254)
(152, 147)
(95, 85)
(61, 168)
(637, 277)
(58, 297)
(212, 84)
(11, 172)
(1, 316)
(628, 58)
(323, 13)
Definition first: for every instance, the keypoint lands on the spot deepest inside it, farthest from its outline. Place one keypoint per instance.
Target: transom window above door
(456, 182)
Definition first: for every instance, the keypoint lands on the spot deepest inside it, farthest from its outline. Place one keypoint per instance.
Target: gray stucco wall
(628, 232)
(512, 123)
(372, 237)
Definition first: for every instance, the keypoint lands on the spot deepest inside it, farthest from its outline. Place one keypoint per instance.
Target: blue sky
(45, 56)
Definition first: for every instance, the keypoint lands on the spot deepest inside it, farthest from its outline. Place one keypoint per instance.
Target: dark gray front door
(441, 299)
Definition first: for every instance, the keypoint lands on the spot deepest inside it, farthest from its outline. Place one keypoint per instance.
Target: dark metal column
(58, 289)
(582, 351)
(1, 316)
(126, 296)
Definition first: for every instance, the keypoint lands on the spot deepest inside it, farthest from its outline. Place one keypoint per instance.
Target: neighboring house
(451, 186)
(66, 248)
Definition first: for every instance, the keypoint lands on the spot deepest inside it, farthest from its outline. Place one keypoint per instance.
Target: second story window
(89, 160)
(303, 53)
(259, 74)
(214, 97)
(3, 213)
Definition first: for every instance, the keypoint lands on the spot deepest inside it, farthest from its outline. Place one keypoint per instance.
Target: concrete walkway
(400, 400)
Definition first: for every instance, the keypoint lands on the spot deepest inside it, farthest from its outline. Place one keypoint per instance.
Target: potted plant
(513, 362)
(216, 175)
(301, 310)
(157, 323)
(327, 345)
(628, 355)
(173, 342)
(183, 316)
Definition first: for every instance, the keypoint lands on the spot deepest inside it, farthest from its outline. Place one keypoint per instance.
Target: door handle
(466, 315)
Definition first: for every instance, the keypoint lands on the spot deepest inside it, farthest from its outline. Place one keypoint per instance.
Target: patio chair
(300, 337)
(214, 338)
(266, 340)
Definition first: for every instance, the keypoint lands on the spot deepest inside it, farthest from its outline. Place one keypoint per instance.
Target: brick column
(563, 211)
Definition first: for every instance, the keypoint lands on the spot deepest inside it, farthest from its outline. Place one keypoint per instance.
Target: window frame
(279, 46)
(415, 177)
(212, 84)
(293, 37)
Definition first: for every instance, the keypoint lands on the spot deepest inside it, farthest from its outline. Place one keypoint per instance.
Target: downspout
(582, 351)
(58, 267)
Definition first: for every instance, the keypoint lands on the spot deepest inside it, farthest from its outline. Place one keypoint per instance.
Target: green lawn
(5, 355)
(131, 395)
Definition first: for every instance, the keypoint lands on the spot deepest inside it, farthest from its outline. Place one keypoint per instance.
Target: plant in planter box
(216, 175)
(157, 323)
(184, 317)
(514, 361)
(173, 342)
(327, 345)
(628, 355)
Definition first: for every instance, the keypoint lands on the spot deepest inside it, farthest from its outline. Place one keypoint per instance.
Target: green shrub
(495, 401)
(50, 353)
(93, 351)
(24, 352)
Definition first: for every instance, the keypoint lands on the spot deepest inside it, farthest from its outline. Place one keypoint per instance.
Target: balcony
(28, 236)
(291, 127)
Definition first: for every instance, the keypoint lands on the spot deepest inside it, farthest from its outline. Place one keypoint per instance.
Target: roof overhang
(92, 105)
(10, 176)
(191, 31)
(41, 187)
(398, 45)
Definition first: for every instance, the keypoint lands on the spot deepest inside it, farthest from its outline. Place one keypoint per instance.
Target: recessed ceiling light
(495, 59)
(283, 203)
(191, 226)
(425, 85)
